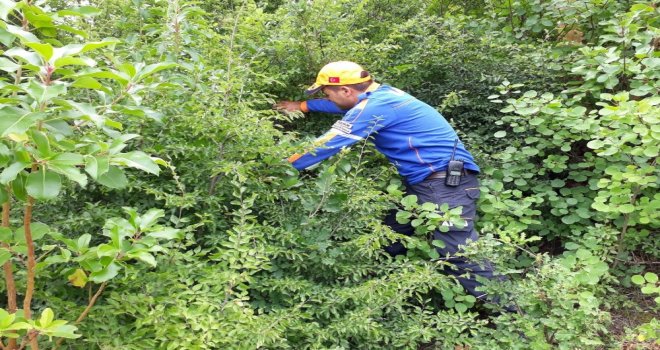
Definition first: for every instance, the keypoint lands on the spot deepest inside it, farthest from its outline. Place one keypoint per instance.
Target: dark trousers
(465, 195)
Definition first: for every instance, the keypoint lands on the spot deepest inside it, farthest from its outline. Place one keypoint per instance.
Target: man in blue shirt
(414, 137)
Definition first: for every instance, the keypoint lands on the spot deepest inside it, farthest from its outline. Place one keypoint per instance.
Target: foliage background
(564, 126)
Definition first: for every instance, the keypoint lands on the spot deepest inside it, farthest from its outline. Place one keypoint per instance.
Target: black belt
(443, 174)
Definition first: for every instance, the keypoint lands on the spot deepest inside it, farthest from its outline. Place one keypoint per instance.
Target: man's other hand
(288, 106)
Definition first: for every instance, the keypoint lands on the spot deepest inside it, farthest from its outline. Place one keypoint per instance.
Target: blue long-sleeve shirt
(411, 134)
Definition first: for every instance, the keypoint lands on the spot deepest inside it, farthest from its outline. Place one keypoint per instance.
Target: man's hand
(288, 106)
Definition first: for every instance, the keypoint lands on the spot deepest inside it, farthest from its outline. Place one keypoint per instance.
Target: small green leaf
(500, 134)
(78, 278)
(106, 274)
(409, 201)
(626, 208)
(648, 289)
(47, 317)
(651, 277)
(438, 243)
(460, 307)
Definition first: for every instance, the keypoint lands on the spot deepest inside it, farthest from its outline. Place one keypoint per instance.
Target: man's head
(342, 82)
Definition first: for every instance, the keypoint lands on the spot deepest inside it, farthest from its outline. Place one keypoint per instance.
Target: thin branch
(85, 312)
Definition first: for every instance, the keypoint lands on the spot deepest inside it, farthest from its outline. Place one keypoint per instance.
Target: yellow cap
(339, 73)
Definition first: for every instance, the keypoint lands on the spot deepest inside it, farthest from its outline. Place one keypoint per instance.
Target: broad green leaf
(18, 186)
(84, 11)
(6, 6)
(83, 242)
(152, 69)
(19, 326)
(5, 255)
(107, 250)
(149, 218)
(47, 317)
(87, 111)
(500, 134)
(113, 178)
(74, 61)
(17, 121)
(78, 278)
(583, 254)
(6, 38)
(25, 36)
(63, 331)
(43, 184)
(67, 159)
(6, 235)
(119, 77)
(73, 30)
(38, 18)
(166, 233)
(75, 49)
(71, 172)
(89, 83)
(37, 229)
(8, 66)
(96, 166)
(11, 172)
(42, 93)
(4, 195)
(42, 142)
(147, 258)
(6, 319)
(106, 274)
(26, 56)
(137, 159)
(44, 50)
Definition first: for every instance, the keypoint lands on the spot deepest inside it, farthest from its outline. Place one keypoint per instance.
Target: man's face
(342, 96)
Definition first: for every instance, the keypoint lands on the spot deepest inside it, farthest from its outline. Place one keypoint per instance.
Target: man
(414, 137)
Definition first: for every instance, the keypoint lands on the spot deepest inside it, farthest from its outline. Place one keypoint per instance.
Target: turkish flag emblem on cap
(333, 80)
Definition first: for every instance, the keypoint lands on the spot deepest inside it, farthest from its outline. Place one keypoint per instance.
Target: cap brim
(313, 89)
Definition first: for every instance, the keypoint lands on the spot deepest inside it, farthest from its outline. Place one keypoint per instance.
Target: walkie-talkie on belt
(454, 169)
